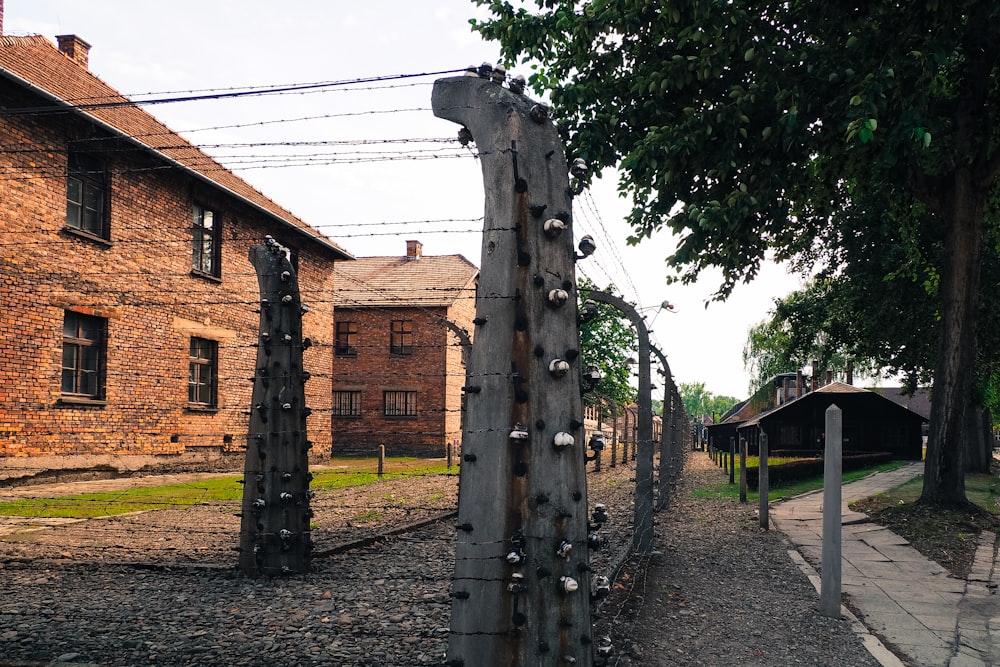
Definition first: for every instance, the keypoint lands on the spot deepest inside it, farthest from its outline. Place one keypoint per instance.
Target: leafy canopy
(745, 127)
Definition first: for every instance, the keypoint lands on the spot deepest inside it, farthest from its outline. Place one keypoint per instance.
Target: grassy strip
(343, 473)
(726, 490)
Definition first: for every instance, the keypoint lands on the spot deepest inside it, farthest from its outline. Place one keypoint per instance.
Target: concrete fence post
(830, 588)
(521, 583)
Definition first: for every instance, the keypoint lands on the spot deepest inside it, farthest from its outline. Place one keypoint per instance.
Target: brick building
(128, 301)
(398, 362)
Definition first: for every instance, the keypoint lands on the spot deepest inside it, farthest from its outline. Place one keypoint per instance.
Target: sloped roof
(831, 389)
(430, 280)
(919, 401)
(35, 63)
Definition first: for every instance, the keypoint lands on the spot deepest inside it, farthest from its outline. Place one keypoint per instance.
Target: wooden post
(520, 588)
(450, 453)
(829, 597)
(732, 460)
(614, 433)
(274, 525)
(763, 482)
(743, 469)
(381, 461)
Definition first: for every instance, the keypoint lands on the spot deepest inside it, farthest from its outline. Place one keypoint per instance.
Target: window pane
(88, 383)
(89, 358)
(90, 328)
(69, 381)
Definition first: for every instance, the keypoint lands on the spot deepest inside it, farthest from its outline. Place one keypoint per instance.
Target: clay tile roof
(35, 62)
(431, 280)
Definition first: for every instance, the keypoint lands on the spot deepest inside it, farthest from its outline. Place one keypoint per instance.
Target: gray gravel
(159, 588)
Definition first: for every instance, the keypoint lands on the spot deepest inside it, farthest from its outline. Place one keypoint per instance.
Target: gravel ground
(719, 591)
(159, 588)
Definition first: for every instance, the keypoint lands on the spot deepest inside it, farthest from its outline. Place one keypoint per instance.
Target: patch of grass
(727, 490)
(368, 515)
(343, 473)
(946, 535)
(108, 503)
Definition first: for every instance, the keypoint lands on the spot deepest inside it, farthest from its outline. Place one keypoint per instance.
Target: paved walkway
(928, 617)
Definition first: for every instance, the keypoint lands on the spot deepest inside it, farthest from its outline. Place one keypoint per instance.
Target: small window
(205, 242)
(203, 372)
(86, 194)
(347, 404)
(401, 337)
(346, 344)
(400, 404)
(83, 356)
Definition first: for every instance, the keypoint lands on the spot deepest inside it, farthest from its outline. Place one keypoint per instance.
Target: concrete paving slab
(909, 601)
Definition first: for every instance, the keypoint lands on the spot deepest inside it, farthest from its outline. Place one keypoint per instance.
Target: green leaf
(856, 100)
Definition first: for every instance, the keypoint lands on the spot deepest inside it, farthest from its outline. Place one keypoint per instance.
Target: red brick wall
(143, 285)
(374, 370)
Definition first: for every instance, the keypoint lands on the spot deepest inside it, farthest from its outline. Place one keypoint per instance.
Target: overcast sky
(370, 198)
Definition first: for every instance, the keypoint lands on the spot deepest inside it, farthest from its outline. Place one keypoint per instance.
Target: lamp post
(642, 539)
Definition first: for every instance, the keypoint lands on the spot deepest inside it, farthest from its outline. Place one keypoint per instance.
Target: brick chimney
(75, 48)
(414, 249)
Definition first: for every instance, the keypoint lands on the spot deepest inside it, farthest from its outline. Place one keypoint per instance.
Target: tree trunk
(944, 469)
(978, 444)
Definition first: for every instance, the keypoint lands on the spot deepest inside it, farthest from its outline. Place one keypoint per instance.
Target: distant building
(128, 318)
(870, 423)
(402, 325)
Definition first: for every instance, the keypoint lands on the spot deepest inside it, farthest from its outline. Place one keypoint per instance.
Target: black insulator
(537, 210)
(577, 496)
(582, 567)
(567, 285)
(539, 424)
(543, 647)
(572, 354)
(479, 320)
(538, 281)
(307, 411)
(520, 185)
(469, 457)
(306, 343)
(520, 469)
(539, 351)
(465, 527)
(521, 396)
(518, 619)
(541, 499)
(523, 259)
(460, 595)
(543, 572)
(472, 389)
(575, 424)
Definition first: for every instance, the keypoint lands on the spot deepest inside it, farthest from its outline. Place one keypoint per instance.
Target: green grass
(945, 534)
(342, 473)
(727, 490)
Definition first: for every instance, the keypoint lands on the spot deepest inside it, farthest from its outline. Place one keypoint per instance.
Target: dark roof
(427, 281)
(919, 401)
(826, 391)
(36, 64)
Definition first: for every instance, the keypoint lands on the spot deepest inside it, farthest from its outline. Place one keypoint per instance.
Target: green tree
(699, 401)
(752, 127)
(607, 341)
